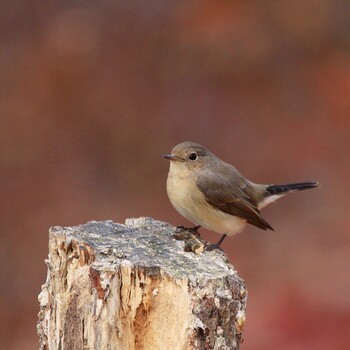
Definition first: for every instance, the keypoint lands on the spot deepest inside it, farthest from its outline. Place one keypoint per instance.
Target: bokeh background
(92, 94)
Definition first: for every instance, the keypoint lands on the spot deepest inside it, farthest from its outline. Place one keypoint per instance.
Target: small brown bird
(215, 195)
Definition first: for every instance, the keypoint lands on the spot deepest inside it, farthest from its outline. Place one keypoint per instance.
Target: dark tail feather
(277, 189)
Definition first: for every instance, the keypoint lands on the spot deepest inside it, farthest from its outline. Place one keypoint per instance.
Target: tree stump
(132, 286)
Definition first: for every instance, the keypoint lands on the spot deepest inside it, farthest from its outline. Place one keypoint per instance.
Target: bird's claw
(211, 247)
(216, 245)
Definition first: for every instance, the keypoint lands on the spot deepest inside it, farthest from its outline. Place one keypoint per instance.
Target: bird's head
(189, 155)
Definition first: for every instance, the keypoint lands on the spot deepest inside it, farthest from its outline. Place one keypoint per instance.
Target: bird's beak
(170, 157)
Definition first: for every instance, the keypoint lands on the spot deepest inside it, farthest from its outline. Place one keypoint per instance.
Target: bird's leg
(193, 230)
(216, 245)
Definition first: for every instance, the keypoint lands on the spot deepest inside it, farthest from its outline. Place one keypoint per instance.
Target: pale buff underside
(190, 202)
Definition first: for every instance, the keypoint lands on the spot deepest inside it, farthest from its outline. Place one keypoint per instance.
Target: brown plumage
(215, 195)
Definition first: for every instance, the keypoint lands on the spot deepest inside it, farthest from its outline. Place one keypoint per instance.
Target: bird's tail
(279, 189)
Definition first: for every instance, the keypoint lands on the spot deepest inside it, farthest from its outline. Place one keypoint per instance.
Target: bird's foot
(216, 245)
(193, 230)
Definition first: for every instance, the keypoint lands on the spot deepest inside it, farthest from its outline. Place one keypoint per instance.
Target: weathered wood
(132, 286)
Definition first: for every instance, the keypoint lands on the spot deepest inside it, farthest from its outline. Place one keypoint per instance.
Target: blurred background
(92, 94)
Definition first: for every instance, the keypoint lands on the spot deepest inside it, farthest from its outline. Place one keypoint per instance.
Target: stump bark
(132, 286)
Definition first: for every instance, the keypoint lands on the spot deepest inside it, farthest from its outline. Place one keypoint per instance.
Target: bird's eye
(193, 156)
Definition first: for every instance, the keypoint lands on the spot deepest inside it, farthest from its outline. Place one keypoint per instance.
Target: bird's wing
(231, 197)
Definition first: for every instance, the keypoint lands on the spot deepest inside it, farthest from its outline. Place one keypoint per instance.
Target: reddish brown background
(93, 93)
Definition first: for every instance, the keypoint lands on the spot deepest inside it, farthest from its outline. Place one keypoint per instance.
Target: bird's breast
(182, 192)
(190, 202)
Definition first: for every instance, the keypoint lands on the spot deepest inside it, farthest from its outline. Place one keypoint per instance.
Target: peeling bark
(132, 286)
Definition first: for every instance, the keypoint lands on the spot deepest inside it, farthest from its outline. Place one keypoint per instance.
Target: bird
(213, 194)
